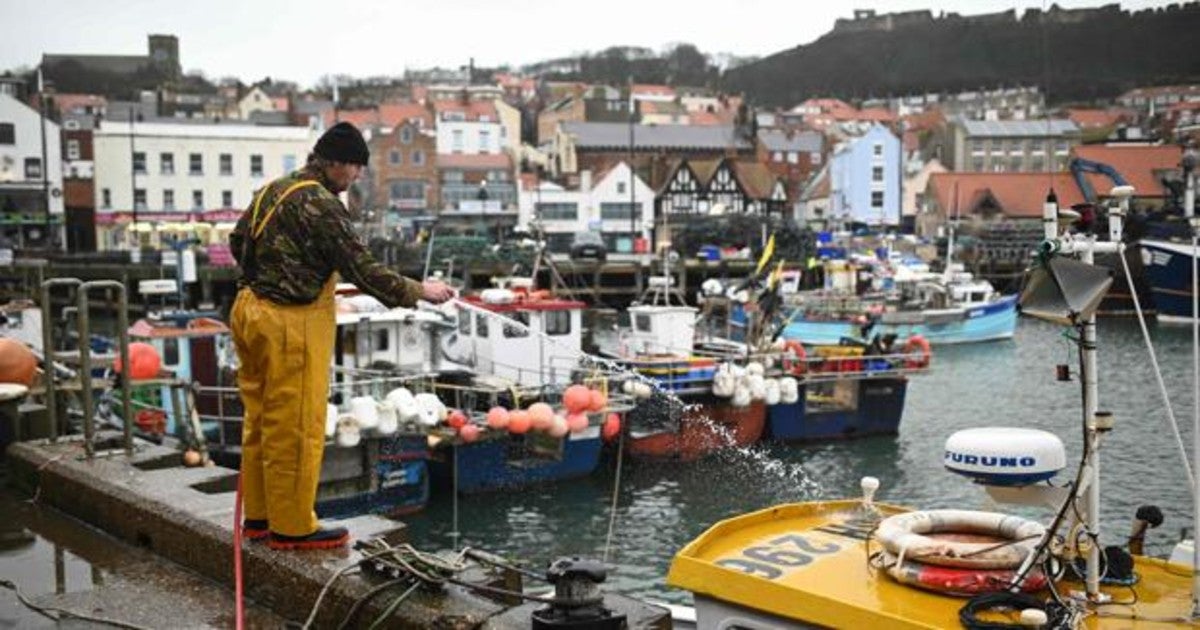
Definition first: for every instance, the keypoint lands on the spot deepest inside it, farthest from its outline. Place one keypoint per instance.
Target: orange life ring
(794, 358)
(958, 581)
(917, 352)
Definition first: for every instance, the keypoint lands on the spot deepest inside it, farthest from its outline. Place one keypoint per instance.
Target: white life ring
(911, 536)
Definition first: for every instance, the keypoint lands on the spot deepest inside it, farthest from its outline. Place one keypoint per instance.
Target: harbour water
(1011, 383)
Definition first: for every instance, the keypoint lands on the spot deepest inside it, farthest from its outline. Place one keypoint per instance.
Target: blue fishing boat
(841, 408)
(987, 319)
(505, 461)
(1168, 268)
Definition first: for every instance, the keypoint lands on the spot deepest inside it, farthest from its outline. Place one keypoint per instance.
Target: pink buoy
(497, 418)
(597, 401)
(541, 416)
(577, 398)
(518, 422)
(456, 419)
(611, 427)
(469, 433)
(577, 422)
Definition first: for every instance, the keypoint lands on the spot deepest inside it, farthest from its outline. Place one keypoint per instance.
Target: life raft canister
(910, 536)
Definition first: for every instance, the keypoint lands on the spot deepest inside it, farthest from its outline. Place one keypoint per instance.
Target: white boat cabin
(659, 330)
(541, 346)
(371, 336)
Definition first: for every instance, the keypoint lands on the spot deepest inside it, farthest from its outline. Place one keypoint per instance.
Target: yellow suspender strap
(255, 225)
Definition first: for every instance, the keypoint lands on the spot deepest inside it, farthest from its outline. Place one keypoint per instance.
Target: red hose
(240, 611)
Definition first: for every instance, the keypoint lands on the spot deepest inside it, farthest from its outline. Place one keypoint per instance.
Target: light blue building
(864, 179)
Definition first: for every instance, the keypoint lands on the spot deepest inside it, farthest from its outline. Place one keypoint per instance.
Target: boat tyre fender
(917, 351)
(794, 358)
(957, 581)
(910, 536)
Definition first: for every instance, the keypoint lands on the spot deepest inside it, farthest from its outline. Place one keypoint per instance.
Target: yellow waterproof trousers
(284, 354)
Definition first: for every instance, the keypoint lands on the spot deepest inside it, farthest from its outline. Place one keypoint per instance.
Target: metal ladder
(83, 326)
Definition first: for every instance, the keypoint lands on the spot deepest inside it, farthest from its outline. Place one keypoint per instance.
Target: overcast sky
(301, 40)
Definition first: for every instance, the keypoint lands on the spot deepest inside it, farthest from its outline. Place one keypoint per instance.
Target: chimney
(585, 181)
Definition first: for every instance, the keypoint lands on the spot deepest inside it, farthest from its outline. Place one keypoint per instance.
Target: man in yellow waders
(291, 244)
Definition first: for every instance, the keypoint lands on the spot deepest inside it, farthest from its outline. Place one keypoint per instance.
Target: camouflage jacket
(309, 237)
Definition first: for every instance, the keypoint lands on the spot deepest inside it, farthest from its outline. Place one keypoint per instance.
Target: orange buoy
(456, 419)
(191, 458)
(17, 362)
(611, 427)
(143, 360)
(541, 416)
(559, 427)
(577, 422)
(597, 402)
(577, 398)
(518, 421)
(497, 418)
(469, 433)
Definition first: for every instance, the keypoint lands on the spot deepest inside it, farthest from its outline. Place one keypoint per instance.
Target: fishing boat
(1168, 266)
(857, 563)
(523, 348)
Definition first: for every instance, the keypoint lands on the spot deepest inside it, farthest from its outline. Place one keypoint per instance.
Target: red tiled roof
(1139, 165)
(1019, 195)
(477, 161)
(1096, 118)
(472, 110)
(392, 114)
(927, 119)
(824, 104)
(877, 114)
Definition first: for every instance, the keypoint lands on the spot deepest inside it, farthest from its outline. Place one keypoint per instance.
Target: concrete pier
(186, 516)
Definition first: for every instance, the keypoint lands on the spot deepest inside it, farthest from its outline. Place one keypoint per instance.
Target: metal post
(85, 371)
(48, 351)
(1090, 394)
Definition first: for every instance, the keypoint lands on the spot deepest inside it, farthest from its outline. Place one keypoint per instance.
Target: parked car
(588, 245)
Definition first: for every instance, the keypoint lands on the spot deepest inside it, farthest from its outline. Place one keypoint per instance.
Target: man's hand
(436, 291)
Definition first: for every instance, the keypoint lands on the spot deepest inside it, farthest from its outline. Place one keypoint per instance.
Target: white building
(602, 206)
(469, 128)
(188, 167)
(25, 180)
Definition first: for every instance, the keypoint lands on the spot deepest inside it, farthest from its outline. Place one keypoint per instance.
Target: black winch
(578, 601)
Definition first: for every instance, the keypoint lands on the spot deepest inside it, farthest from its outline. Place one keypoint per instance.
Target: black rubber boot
(255, 529)
(323, 538)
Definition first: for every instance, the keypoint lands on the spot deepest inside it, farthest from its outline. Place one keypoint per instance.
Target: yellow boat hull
(808, 563)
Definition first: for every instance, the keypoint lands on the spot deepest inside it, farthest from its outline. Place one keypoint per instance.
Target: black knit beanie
(343, 142)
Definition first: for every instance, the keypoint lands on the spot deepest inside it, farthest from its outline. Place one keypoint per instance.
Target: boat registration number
(772, 558)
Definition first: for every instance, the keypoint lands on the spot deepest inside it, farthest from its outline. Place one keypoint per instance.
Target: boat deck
(810, 563)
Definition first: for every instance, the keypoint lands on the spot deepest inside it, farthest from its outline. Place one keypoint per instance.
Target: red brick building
(404, 168)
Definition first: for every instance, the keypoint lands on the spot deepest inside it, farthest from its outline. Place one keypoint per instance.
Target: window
(256, 169)
(793, 157)
(106, 198)
(457, 140)
(139, 198)
(641, 322)
(485, 139)
(977, 164)
(33, 168)
(170, 351)
(977, 146)
(558, 211)
(139, 162)
(406, 135)
(1037, 164)
(381, 340)
(877, 199)
(408, 189)
(418, 158)
(876, 173)
(877, 149)
(616, 211)
(393, 157)
(8, 133)
(557, 322)
(289, 163)
(195, 164)
(464, 322)
(512, 331)
(226, 198)
(1015, 163)
(168, 199)
(1037, 146)
(481, 326)
(777, 156)
(621, 188)
(72, 149)
(226, 165)
(1060, 147)
(197, 199)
